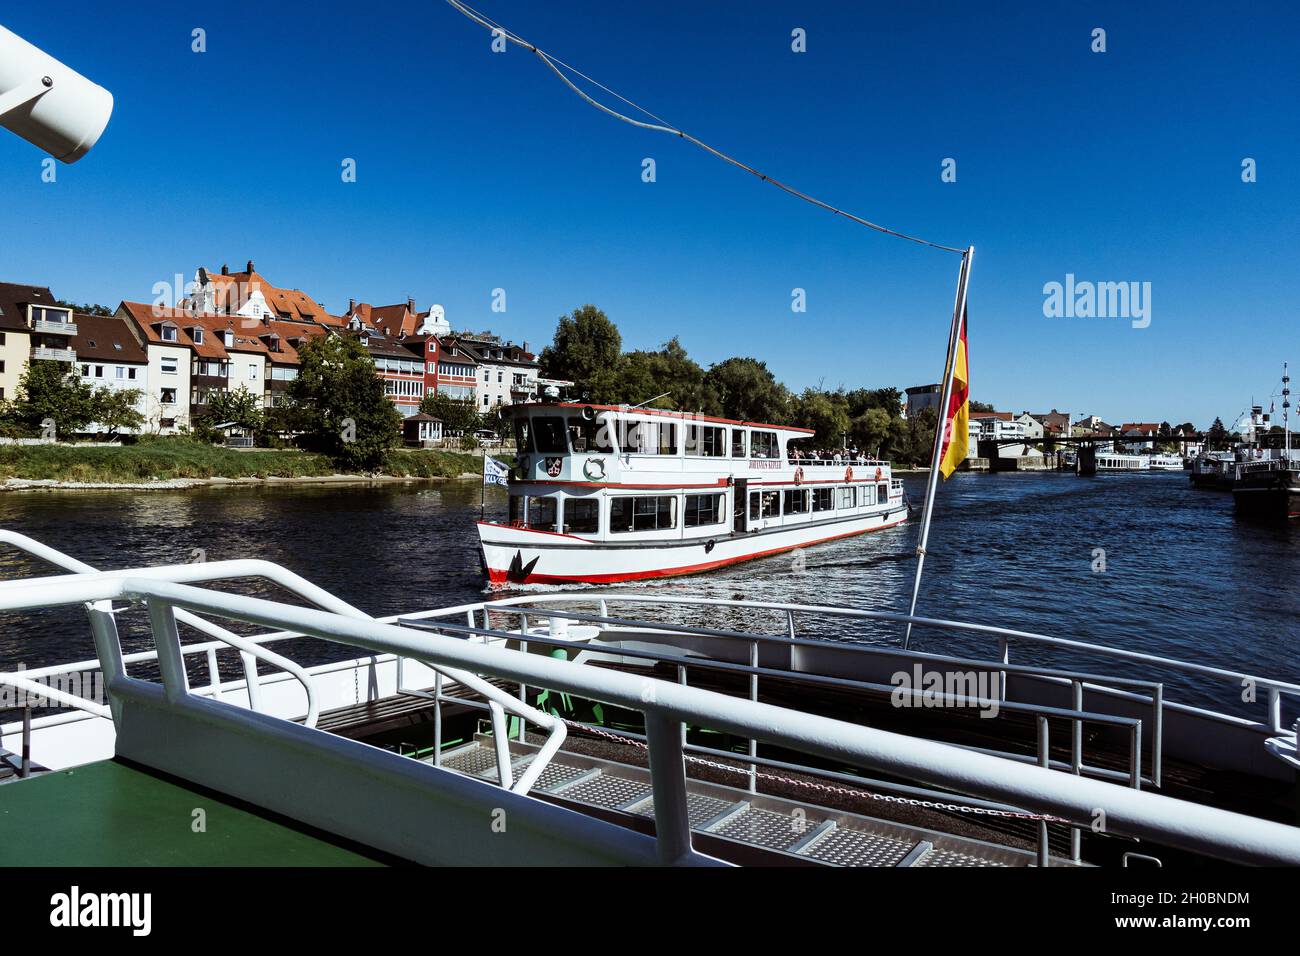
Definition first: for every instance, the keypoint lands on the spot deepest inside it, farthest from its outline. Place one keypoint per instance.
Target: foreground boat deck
(112, 814)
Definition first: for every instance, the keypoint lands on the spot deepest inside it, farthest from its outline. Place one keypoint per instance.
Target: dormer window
(167, 332)
(230, 338)
(197, 334)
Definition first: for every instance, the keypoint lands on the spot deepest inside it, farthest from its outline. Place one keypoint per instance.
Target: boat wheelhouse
(610, 493)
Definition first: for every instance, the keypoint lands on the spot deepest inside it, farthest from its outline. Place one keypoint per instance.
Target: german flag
(955, 427)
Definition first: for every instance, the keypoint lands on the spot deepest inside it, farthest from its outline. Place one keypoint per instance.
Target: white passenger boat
(604, 493)
(1165, 462)
(1113, 461)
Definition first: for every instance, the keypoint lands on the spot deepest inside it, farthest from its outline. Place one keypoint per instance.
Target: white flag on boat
(495, 472)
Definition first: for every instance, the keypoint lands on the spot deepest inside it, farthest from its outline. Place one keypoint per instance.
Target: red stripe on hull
(502, 577)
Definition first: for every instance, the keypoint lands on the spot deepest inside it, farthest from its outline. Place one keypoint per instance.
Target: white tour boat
(1113, 461)
(1165, 462)
(603, 493)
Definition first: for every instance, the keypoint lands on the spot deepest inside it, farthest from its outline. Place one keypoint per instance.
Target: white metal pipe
(52, 106)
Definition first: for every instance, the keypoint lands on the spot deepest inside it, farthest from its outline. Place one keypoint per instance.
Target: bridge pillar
(1085, 463)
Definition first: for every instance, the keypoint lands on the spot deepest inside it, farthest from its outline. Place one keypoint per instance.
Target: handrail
(1206, 670)
(1143, 814)
(300, 587)
(68, 563)
(1130, 725)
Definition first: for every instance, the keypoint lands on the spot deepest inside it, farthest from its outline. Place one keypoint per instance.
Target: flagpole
(482, 490)
(954, 338)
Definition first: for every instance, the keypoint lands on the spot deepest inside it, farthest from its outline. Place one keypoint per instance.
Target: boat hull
(522, 556)
(1271, 494)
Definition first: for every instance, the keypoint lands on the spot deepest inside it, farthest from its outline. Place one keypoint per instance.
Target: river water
(1182, 575)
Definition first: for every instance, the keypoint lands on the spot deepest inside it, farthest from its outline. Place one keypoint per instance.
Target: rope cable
(663, 126)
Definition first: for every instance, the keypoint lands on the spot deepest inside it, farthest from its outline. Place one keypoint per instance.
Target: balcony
(48, 327)
(53, 355)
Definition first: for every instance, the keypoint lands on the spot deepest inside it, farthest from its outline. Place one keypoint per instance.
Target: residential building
(249, 294)
(1033, 427)
(109, 356)
(401, 367)
(507, 373)
(457, 371)
(172, 357)
(34, 326)
(395, 321)
(1139, 436)
(1055, 424)
(921, 397)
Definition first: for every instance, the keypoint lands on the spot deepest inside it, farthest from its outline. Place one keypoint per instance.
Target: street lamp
(48, 104)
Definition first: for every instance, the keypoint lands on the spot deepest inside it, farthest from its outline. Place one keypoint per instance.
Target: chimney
(352, 306)
(225, 269)
(250, 266)
(410, 304)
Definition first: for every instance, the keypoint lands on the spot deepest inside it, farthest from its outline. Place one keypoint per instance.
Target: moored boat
(610, 493)
(1165, 462)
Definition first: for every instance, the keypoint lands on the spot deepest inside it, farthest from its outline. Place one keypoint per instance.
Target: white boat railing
(789, 614)
(664, 705)
(499, 702)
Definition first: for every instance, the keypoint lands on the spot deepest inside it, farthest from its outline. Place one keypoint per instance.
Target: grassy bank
(178, 458)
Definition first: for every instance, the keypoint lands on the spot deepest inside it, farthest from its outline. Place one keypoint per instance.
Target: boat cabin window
(593, 436)
(548, 435)
(581, 516)
(648, 438)
(703, 510)
(541, 514)
(523, 435)
(796, 502)
(848, 497)
(764, 445)
(642, 513)
(517, 509)
(764, 504)
(882, 494)
(706, 440)
(823, 499)
(738, 449)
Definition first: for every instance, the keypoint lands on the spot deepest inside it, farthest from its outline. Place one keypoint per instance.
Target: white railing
(664, 705)
(499, 702)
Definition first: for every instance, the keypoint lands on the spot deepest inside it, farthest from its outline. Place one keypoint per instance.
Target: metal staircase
(731, 818)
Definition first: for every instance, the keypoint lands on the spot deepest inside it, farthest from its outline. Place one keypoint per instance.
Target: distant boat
(1212, 470)
(1113, 461)
(1165, 462)
(1268, 487)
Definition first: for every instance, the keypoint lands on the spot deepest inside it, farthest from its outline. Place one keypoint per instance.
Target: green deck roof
(110, 814)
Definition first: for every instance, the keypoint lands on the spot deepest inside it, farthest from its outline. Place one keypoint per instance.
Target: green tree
(340, 406)
(241, 407)
(982, 407)
(746, 390)
(116, 410)
(871, 431)
(456, 415)
(646, 375)
(586, 351)
(1217, 437)
(826, 413)
(52, 391)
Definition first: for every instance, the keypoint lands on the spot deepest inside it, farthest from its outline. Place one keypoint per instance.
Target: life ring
(798, 475)
(848, 473)
(879, 473)
(594, 469)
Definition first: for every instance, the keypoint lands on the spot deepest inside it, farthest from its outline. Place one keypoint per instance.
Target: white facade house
(506, 373)
(110, 357)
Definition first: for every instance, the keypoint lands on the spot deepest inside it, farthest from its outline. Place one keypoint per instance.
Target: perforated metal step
(831, 838)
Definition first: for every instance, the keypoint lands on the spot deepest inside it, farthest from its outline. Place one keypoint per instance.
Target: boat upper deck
(606, 445)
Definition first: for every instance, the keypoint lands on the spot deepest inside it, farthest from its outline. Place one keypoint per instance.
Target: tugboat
(610, 493)
(1270, 486)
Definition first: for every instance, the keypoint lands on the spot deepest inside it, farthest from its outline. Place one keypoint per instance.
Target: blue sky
(478, 171)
